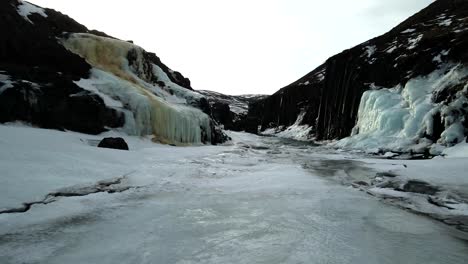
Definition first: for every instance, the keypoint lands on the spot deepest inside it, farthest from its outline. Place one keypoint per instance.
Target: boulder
(113, 143)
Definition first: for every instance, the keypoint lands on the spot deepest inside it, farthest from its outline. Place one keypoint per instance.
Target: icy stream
(261, 200)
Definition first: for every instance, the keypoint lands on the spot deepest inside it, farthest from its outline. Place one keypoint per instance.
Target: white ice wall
(398, 118)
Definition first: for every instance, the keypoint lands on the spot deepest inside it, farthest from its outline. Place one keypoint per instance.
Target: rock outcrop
(231, 110)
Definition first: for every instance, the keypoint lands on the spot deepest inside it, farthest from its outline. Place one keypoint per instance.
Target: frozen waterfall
(149, 108)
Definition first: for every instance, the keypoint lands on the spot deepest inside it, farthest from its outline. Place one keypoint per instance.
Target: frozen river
(257, 201)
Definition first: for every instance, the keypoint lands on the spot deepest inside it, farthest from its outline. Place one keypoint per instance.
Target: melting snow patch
(296, 131)
(392, 49)
(25, 9)
(370, 50)
(410, 30)
(413, 42)
(5, 83)
(446, 22)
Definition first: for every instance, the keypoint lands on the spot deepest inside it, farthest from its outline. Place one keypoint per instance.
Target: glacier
(150, 108)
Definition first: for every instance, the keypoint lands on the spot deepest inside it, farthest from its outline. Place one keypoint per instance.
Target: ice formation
(401, 118)
(152, 109)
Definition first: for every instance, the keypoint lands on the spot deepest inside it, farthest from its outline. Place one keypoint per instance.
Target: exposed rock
(113, 143)
(42, 74)
(388, 174)
(231, 110)
(420, 187)
(360, 183)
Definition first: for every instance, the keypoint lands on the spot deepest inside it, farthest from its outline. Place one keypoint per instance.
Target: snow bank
(398, 119)
(25, 9)
(155, 111)
(297, 131)
(458, 151)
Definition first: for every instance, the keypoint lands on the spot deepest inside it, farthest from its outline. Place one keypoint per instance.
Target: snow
(437, 59)
(394, 119)
(409, 30)
(297, 131)
(457, 151)
(177, 90)
(5, 83)
(25, 9)
(446, 22)
(155, 111)
(413, 42)
(370, 50)
(391, 49)
(92, 84)
(237, 203)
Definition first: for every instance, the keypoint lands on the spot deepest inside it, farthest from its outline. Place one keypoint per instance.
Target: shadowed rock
(113, 143)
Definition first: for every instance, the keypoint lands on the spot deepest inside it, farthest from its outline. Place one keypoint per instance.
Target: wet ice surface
(262, 200)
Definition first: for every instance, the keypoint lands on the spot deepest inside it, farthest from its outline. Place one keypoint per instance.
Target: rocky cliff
(328, 99)
(51, 76)
(231, 110)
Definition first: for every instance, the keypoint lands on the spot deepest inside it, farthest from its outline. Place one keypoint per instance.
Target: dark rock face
(42, 74)
(330, 95)
(147, 74)
(231, 110)
(113, 143)
(37, 75)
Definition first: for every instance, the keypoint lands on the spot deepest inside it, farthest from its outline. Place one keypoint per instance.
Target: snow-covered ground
(253, 200)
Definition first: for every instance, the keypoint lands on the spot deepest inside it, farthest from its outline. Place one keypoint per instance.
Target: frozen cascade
(154, 110)
(399, 118)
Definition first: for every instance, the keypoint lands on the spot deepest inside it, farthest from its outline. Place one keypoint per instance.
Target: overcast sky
(241, 46)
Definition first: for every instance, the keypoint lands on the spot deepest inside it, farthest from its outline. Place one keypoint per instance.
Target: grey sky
(242, 46)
